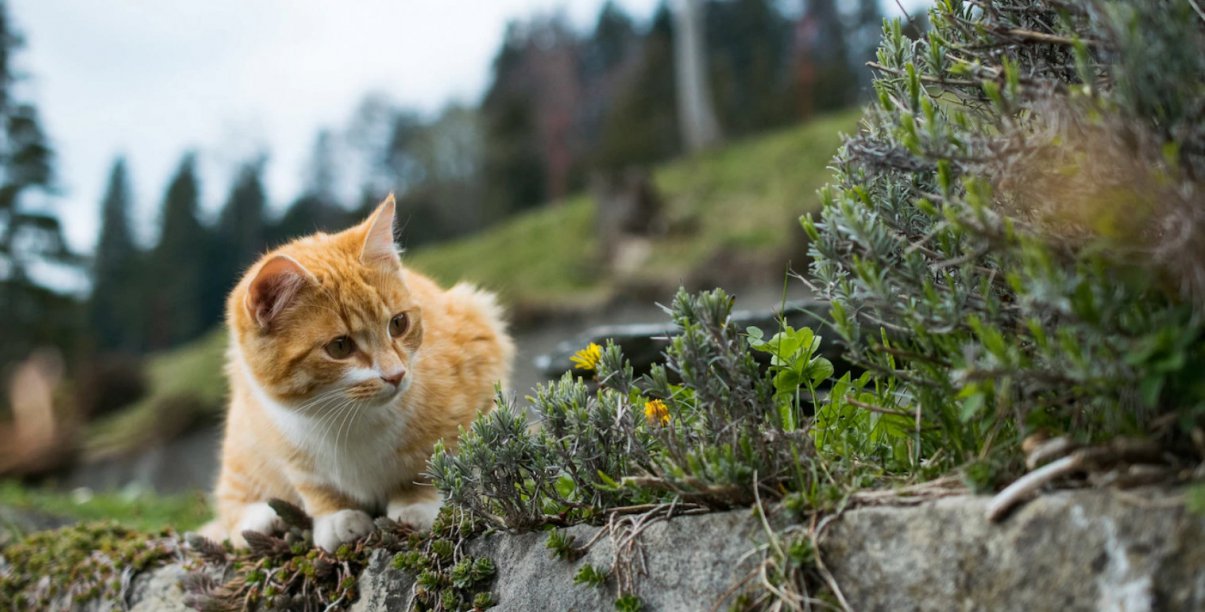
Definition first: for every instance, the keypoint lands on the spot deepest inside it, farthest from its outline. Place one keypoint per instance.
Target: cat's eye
(341, 347)
(398, 325)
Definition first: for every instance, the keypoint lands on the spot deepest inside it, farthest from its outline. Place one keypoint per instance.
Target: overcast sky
(152, 78)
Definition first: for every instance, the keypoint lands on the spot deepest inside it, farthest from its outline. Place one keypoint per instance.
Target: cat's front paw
(419, 514)
(260, 518)
(332, 530)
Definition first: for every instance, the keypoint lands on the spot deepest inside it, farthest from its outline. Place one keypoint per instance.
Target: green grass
(545, 256)
(742, 200)
(145, 511)
(746, 198)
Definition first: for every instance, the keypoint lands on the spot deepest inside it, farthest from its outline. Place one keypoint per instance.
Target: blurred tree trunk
(696, 113)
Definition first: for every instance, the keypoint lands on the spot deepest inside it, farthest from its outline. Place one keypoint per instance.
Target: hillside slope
(742, 200)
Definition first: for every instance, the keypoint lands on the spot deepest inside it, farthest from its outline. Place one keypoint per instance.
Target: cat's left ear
(273, 288)
(378, 241)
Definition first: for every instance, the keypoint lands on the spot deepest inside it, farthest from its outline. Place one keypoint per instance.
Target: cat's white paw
(421, 514)
(257, 517)
(332, 530)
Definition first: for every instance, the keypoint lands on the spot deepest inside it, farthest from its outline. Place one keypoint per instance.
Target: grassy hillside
(740, 201)
(743, 199)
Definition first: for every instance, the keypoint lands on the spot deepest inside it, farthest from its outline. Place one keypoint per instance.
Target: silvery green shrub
(1015, 238)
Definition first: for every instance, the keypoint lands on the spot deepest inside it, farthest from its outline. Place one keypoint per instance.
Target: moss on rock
(65, 567)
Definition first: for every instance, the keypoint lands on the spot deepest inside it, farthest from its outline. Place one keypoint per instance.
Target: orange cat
(345, 368)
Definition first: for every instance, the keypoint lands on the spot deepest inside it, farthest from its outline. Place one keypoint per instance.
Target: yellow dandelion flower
(656, 412)
(587, 358)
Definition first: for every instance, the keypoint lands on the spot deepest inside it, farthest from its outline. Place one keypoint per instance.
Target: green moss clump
(68, 566)
(285, 571)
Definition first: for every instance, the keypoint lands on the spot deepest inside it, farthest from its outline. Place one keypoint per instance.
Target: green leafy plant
(796, 365)
(590, 576)
(561, 545)
(628, 603)
(705, 427)
(1012, 240)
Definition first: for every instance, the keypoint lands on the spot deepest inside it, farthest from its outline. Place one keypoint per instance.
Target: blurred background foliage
(515, 192)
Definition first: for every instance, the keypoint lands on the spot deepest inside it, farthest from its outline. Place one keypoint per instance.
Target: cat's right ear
(273, 288)
(379, 247)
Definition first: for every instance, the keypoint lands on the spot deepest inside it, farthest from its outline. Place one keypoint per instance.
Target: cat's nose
(395, 377)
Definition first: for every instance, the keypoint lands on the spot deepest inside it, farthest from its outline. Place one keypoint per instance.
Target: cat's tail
(484, 301)
(493, 316)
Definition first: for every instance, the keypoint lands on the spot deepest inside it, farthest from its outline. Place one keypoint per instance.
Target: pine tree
(862, 36)
(642, 126)
(513, 169)
(610, 58)
(176, 270)
(749, 54)
(613, 38)
(826, 81)
(239, 238)
(30, 314)
(114, 309)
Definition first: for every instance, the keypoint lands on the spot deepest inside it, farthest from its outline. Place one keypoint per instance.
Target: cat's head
(328, 319)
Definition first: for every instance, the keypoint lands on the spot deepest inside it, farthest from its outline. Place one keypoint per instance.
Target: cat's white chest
(365, 462)
(357, 457)
(354, 451)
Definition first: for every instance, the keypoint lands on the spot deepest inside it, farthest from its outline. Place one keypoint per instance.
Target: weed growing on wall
(704, 429)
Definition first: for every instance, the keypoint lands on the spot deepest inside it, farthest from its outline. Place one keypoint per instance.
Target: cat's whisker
(311, 409)
(329, 417)
(321, 408)
(323, 402)
(325, 420)
(342, 422)
(352, 413)
(337, 423)
(334, 417)
(317, 401)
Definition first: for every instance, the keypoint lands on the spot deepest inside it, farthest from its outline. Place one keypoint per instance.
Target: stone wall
(1072, 550)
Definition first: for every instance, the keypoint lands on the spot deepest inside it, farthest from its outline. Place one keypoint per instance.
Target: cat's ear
(378, 240)
(274, 287)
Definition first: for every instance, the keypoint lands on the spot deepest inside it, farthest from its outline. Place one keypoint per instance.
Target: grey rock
(155, 590)
(687, 561)
(1075, 550)
(159, 590)
(1072, 550)
(382, 587)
